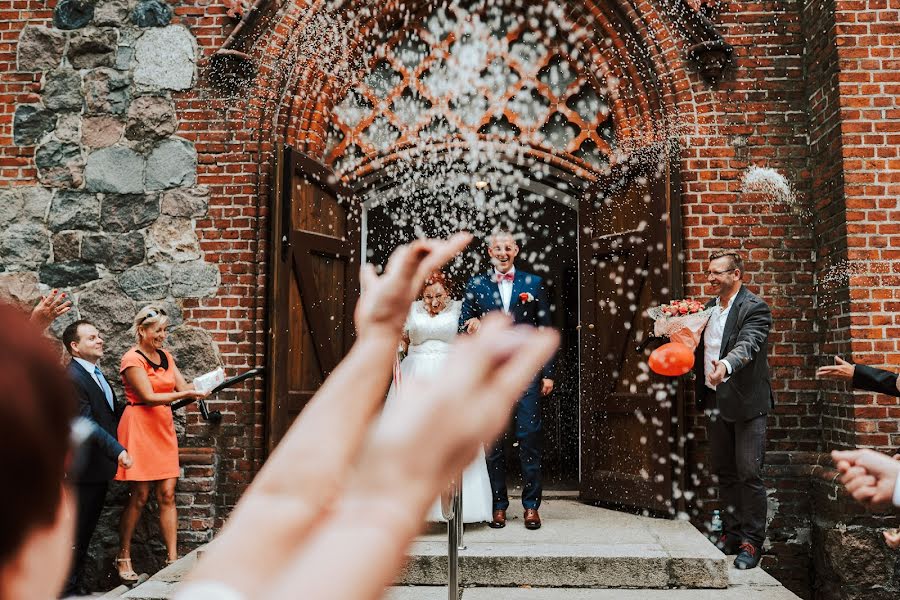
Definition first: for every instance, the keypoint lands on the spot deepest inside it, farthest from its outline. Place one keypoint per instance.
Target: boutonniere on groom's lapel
(525, 297)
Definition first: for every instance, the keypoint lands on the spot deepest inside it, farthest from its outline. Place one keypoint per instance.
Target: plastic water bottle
(716, 524)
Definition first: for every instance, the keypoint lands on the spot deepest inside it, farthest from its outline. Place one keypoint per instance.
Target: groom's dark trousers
(528, 435)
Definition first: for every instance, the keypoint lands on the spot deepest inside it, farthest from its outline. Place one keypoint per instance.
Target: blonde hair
(147, 316)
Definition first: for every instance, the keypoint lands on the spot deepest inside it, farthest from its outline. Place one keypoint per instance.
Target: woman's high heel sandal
(126, 572)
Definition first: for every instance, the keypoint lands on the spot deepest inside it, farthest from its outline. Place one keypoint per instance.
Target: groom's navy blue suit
(483, 296)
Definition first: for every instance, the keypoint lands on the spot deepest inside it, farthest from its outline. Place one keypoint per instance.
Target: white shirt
(505, 288)
(712, 340)
(896, 499)
(91, 368)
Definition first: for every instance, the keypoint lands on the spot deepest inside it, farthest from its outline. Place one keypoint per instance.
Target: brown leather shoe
(532, 519)
(499, 520)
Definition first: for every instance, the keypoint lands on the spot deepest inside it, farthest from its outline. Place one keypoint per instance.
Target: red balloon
(672, 359)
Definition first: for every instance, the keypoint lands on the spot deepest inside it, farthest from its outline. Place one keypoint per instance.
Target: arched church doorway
(469, 94)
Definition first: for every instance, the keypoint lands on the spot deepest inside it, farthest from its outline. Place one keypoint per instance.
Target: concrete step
(577, 546)
(755, 584)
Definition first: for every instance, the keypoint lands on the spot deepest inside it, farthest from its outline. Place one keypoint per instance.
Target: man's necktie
(505, 277)
(107, 391)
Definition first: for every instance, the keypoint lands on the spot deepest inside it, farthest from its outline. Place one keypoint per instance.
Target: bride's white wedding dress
(429, 342)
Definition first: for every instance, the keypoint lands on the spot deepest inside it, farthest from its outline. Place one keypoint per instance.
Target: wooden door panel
(626, 428)
(314, 284)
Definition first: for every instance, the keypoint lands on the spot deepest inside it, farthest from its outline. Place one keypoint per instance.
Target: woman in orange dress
(152, 383)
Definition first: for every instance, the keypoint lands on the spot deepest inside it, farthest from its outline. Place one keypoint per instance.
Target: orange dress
(148, 432)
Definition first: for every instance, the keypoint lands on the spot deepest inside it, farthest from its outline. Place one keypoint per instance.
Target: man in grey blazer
(734, 387)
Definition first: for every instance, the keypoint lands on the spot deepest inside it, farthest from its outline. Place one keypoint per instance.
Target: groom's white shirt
(505, 288)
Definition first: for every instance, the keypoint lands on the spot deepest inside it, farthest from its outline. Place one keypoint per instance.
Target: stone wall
(105, 203)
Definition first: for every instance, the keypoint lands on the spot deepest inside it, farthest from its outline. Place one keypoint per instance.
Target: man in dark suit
(522, 296)
(734, 387)
(102, 453)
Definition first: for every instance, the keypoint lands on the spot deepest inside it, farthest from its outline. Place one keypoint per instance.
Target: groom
(522, 296)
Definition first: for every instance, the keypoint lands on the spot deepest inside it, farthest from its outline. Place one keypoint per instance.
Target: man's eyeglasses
(152, 314)
(717, 273)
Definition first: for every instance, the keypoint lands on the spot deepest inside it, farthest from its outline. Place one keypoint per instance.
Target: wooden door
(314, 284)
(626, 257)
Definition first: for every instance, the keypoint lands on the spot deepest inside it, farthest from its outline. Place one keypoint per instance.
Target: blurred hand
(472, 325)
(125, 460)
(384, 301)
(892, 538)
(50, 307)
(868, 476)
(546, 387)
(841, 370)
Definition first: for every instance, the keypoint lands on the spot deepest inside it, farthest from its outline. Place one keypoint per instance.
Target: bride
(430, 328)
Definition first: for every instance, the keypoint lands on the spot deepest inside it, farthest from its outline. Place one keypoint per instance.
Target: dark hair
(70, 335)
(736, 261)
(37, 405)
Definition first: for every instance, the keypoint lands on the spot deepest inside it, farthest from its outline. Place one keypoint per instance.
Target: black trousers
(528, 435)
(738, 450)
(91, 497)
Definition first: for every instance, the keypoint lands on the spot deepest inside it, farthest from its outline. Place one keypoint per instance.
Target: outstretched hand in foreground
(334, 509)
(868, 476)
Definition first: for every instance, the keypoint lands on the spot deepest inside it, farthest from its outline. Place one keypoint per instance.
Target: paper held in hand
(208, 381)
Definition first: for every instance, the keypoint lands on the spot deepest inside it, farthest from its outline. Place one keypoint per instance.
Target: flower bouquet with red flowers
(682, 321)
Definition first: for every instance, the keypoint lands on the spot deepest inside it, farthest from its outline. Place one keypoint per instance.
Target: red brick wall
(813, 93)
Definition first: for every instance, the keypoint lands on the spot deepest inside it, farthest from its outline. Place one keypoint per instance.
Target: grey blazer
(745, 343)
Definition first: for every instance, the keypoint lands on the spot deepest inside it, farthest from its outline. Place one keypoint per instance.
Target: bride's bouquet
(682, 321)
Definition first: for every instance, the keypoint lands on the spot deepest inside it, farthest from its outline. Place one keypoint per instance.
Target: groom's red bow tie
(504, 277)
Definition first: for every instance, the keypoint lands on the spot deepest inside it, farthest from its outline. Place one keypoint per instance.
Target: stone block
(59, 164)
(62, 90)
(66, 246)
(106, 91)
(116, 169)
(145, 282)
(194, 350)
(194, 280)
(30, 123)
(172, 239)
(73, 14)
(110, 12)
(68, 128)
(101, 131)
(39, 48)
(186, 202)
(92, 47)
(24, 203)
(107, 305)
(172, 163)
(20, 288)
(166, 58)
(68, 274)
(151, 13)
(116, 252)
(125, 212)
(75, 210)
(150, 118)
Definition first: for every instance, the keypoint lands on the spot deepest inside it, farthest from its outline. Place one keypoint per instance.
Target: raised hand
(840, 370)
(384, 301)
(426, 436)
(303, 479)
(51, 306)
